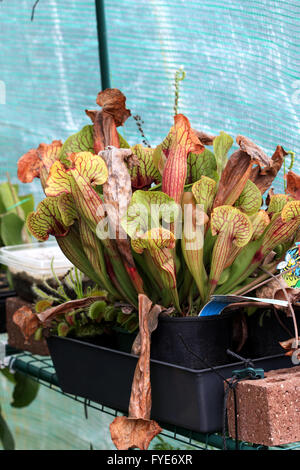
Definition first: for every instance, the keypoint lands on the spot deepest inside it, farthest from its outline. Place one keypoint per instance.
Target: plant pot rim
(163, 363)
(197, 318)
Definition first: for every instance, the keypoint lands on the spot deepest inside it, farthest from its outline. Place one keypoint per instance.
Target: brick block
(268, 409)
(15, 336)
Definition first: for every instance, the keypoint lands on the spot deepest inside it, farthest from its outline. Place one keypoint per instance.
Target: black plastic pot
(208, 337)
(192, 399)
(265, 330)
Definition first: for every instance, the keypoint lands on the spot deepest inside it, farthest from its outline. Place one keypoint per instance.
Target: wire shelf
(40, 368)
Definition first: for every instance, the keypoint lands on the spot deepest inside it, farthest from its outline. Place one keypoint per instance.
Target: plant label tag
(219, 302)
(290, 267)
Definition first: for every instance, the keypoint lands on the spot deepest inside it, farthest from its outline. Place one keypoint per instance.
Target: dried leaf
(29, 166)
(37, 162)
(113, 102)
(138, 430)
(117, 194)
(264, 176)
(105, 130)
(66, 307)
(233, 179)
(152, 325)
(293, 184)
(273, 290)
(257, 154)
(291, 347)
(27, 321)
(239, 330)
(288, 345)
(130, 433)
(204, 138)
(106, 121)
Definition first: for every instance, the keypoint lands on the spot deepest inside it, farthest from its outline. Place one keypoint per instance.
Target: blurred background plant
(24, 392)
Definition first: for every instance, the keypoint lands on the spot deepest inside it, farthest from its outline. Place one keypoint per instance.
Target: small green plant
(90, 320)
(13, 212)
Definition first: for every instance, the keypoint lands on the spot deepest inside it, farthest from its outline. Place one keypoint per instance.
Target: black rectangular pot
(266, 328)
(188, 398)
(193, 342)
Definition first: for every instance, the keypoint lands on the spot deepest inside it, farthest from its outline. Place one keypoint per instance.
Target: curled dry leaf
(152, 325)
(272, 290)
(292, 349)
(37, 162)
(293, 184)
(29, 166)
(66, 307)
(106, 121)
(128, 433)
(27, 321)
(257, 154)
(204, 138)
(240, 167)
(238, 170)
(113, 102)
(263, 177)
(269, 258)
(233, 179)
(138, 430)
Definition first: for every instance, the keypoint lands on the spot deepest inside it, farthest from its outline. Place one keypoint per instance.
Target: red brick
(15, 336)
(268, 409)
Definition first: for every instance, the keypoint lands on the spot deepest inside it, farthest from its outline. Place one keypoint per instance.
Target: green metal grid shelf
(41, 369)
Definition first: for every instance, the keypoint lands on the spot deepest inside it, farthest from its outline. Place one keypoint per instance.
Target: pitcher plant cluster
(177, 222)
(158, 228)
